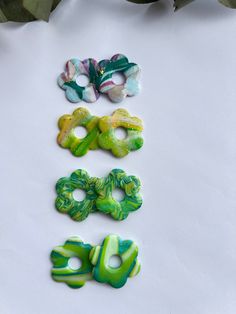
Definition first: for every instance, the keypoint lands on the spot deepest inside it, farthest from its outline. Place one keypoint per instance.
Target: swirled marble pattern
(67, 138)
(120, 147)
(65, 202)
(131, 71)
(106, 203)
(99, 195)
(61, 271)
(112, 245)
(67, 80)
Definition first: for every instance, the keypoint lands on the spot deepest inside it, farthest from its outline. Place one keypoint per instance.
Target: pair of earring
(99, 195)
(95, 262)
(100, 79)
(100, 132)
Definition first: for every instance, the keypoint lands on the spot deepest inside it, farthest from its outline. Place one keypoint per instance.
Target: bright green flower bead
(100, 256)
(105, 201)
(60, 256)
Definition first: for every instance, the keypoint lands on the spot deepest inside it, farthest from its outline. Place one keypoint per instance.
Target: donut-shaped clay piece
(108, 140)
(106, 203)
(67, 80)
(118, 64)
(100, 256)
(65, 202)
(61, 270)
(67, 137)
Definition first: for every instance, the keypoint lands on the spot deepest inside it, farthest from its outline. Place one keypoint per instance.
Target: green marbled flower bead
(67, 138)
(100, 256)
(120, 147)
(60, 256)
(105, 201)
(65, 202)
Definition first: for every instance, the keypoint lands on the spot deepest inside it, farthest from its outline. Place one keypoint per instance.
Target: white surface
(186, 229)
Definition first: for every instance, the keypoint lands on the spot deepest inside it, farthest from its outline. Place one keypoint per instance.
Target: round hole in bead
(118, 78)
(74, 263)
(82, 80)
(118, 194)
(120, 133)
(80, 132)
(79, 195)
(115, 261)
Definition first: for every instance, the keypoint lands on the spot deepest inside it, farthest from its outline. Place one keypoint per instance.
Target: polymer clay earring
(67, 80)
(60, 256)
(127, 250)
(108, 140)
(131, 71)
(100, 132)
(68, 139)
(106, 203)
(65, 202)
(98, 195)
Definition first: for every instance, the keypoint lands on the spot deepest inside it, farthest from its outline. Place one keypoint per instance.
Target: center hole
(80, 132)
(120, 133)
(118, 78)
(82, 80)
(118, 194)
(115, 261)
(74, 263)
(79, 195)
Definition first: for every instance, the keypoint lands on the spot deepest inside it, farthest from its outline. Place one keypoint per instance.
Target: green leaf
(26, 10)
(178, 4)
(40, 9)
(229, 3)
(143, 1)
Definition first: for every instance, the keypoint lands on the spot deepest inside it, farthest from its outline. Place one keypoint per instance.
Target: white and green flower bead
(60, 256)
(67, 80)
(100, 256)
(106, 203)
(131, 71)
(65, 202)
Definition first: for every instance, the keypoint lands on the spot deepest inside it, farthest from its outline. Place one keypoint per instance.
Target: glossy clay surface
(127, 250)
(100, 132)
(67, 80)
(99, 195)
(61, 271)
(95, 262)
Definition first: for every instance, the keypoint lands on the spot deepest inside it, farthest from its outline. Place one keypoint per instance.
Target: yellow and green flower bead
(67, 138)
(105, 201)
(60, 256)
(100, 256)
(65, 202)
(120, 147)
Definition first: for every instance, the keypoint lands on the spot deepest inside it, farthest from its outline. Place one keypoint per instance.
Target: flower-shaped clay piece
(62, 272)
(65, 202)
(100, 256)
(67, 80)
(108, 140)
(131, 71)
(67, 137)
(106, 203)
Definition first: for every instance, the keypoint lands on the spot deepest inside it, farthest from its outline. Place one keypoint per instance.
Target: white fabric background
(186, 228)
